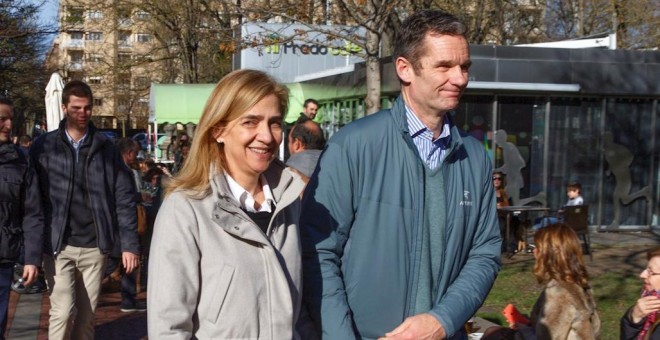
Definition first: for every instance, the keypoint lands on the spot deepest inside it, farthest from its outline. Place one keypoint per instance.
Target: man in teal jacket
(399, 226)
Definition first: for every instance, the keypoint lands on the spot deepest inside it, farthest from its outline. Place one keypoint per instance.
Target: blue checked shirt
(432, 152)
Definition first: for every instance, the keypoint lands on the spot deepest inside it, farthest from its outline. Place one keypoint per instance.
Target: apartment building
(111, 48)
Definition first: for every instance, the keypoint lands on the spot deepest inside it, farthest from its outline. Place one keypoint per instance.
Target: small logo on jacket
(467, 199)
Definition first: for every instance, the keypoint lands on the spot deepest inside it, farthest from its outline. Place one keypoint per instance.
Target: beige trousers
(74, 280)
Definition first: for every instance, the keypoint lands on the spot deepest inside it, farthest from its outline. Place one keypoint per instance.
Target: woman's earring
(221, 141)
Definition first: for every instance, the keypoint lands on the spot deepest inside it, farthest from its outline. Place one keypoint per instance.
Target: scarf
(650, 319)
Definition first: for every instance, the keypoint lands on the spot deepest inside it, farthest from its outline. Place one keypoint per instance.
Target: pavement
(28, 314)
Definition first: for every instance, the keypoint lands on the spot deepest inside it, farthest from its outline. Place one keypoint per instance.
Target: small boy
(573, 191)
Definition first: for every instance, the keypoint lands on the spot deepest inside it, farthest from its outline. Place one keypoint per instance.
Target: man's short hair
(24, 139)
(76, 88)
(6, 101)
(311, 139)
(126, 145)
(409, 41)
(310, 100)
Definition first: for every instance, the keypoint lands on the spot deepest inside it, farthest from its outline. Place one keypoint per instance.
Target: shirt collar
(246, 200)
(417, 129)
(73, 141)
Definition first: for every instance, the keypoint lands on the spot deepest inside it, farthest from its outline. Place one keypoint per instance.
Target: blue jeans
(128, 282)
(6, 275)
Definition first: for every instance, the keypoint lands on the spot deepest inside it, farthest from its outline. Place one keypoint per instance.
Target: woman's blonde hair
(559, 256)
(233, 96)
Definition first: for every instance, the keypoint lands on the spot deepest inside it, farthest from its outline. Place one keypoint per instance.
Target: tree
(21, 72)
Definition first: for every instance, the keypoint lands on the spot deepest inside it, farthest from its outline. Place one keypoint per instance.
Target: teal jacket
(360, 228)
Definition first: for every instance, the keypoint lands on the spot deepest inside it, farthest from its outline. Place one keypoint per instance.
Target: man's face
(310, 110)
(6, 115)
(78, 112)
(572, 193)
(437, 84)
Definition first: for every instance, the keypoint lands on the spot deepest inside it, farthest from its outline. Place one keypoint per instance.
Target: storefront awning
(178, 103)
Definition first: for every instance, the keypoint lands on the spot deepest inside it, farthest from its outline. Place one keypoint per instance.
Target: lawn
(615, 290)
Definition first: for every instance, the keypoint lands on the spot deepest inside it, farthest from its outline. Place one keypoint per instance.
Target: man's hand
(30, 273)
(421, 326)
(130, 261)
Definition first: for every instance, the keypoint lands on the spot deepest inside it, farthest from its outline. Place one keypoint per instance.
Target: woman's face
(497, 181)
(251, 141)
(651, 275)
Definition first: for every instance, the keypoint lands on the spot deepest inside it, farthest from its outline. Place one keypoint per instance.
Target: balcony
(124, 44)
(74, 44)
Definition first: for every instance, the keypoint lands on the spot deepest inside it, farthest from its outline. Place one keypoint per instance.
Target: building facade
(111, 48)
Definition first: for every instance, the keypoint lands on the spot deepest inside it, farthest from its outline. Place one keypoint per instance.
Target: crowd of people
(389, 230)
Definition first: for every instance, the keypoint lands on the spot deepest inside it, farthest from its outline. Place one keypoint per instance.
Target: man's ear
(297, 145)
(404, 69)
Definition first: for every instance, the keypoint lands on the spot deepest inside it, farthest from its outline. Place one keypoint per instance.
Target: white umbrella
(54, 113)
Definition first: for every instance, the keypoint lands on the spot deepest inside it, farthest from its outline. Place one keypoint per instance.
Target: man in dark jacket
(89, 204)
(399, 228)
(21, 220)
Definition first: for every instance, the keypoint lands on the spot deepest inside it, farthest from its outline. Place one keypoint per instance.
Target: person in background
(24, 143)
(310, 108)
(129, 149)
(566, 308)
(399, 224)
(305, 145)
(21, 215)
(641, 320)
(88, 199)
(574, 194)
(225, 255)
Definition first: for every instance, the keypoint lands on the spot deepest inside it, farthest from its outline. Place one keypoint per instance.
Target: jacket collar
(285, 185)
(96, 140)
(8, 152)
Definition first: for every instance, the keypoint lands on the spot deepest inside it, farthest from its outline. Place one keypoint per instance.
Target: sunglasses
(497, 178)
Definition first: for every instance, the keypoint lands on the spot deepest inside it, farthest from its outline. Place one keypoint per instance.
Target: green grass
(614, 293)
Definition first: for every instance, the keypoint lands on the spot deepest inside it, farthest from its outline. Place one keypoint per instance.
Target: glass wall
(574, 140)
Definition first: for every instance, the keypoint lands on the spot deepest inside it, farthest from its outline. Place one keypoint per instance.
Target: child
(566, 308)
(573, 191)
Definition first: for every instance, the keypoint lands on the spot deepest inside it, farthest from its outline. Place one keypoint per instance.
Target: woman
(499, 182)
(566, 308)
(225, 254)
(641, 320)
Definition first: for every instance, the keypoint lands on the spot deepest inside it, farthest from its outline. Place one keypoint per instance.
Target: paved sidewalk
(28, 314)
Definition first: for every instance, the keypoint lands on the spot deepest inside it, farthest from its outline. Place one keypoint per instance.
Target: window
(124, 79)
(75, 15)
(95, 80)
(98, 102)
(76, 35)
(142, 15)
(76, 56)
(143, 37)
(95, 36)
(95, 15)
(94, 58)
(123, 57)
(75, 75)
(123, 103)
(124, 38)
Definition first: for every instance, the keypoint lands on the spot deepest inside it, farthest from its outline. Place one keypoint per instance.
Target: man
(305, 144)
(89, 204)
(310, 107)
(399, 227)
(24, 143)
(20, 213)
(129, 149)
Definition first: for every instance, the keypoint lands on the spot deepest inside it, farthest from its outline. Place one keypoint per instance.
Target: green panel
(179, 103)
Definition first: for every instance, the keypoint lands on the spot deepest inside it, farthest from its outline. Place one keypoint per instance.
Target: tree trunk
(372, 101)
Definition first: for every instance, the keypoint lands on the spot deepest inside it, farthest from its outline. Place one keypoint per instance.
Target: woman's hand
(645, 306)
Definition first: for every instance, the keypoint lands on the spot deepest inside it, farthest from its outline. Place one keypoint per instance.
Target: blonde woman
(225, 255)
(566, 308)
